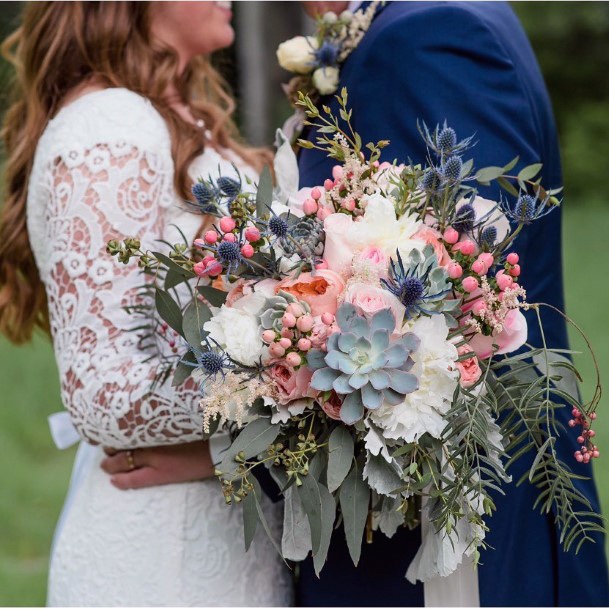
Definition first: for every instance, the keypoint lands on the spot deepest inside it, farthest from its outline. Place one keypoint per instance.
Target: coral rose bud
(276, 350)
(305, 323)
(515, 270)
(479, 267)
(286, 343)
(304, 344)
(470, 284)
(252, 234)
(323, 213)
(211, 236)
(322, 265)
(293, 359)
(227, 224)
(487, 259)
(288, 320)
(337, 172)
(316, 194)
(455, 270)
(229, 237)
(268, 336)
(310, 207)
(328, 184)
(451, 236)
(327, 319)
(513, 258)
(247, 251)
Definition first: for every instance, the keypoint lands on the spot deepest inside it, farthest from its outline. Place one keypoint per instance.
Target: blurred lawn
(35, 475)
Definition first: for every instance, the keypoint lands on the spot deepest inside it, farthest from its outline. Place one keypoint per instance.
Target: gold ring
(130, 461)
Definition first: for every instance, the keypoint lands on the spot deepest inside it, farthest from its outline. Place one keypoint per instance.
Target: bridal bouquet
(364, 341)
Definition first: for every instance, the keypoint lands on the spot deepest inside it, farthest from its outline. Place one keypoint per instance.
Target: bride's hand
(143, 467)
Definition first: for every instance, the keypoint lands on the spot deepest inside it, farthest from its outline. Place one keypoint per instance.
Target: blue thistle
(430, 181)
(327, 55)
(443, 141)
(278, 227)
(465, 219)
(527, 209)
(212, 359)
(228, 252)
(452, 168)
(205, 196)
(447, 140)
(488, 237)
(211, 363)
(229, 188)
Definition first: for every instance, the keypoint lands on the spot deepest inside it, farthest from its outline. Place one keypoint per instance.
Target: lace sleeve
(109, 192)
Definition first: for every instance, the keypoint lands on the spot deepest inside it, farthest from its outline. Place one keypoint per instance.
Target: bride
(117, 111)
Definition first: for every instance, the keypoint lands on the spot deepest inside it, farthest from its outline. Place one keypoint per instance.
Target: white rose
(238, 332)
(325, 80)
(297, 54)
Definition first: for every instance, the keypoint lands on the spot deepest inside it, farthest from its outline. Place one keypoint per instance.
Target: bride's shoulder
(110, 116)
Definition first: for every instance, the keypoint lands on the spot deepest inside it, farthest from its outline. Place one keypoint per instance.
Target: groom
(471, 64)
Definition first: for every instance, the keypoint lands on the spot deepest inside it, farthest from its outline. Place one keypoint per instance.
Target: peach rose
(369, 299)
(291, 384)
(469, 369)
(319, 291)
(511, 338)
(332, 406)
(240, 288)
(432, 237)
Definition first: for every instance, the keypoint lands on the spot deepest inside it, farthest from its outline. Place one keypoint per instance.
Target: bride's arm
(110, 193)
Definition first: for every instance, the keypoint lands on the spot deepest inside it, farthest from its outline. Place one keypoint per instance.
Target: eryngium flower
(364, 364)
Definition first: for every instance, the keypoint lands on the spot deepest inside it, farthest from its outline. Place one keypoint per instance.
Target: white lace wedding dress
(103, 170)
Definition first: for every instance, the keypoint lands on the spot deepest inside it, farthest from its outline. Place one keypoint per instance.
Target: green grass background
(34, 474)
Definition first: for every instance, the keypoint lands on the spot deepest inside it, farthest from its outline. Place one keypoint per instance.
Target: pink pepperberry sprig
(588, 450)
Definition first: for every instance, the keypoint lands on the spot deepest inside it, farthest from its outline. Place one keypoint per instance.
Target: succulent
(420, 285)
(307, 238)
(364, 364)
(275, 308)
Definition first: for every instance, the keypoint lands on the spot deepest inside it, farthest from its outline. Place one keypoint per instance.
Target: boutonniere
(315, 60)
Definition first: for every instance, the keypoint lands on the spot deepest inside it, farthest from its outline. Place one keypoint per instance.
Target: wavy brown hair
(60, 46)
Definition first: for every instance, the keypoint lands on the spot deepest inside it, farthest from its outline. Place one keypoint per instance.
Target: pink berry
(293, 359)
(451, 236)
(286, 343)
(487, 258)
(513, 258)
(376, 164)
(323, 213)
(268, 336)
(322, 265)
(276, 350)
(572, 423)
(295, 309)
(287, 333)
(455, 270)
(316, 194)
(328, 184)
(575, 412)
(198, 243)
(349, 205)
(229, 237)
(288, 320)
(596, 454)
(479, 267)
(467, 248)
(578, 456)
(200, 269)
(214, 269)
(227, 224)
(470, 284)
(504, 281)
(327, 318)
(591, 433)
(247, 251)
(587, 457)
(309, 207)
(305, 323)
(593, 415)
(581, 439)
(478, 307)
(304, 344)
(252, 234)
(337, 172)
(515, 271)
(211, 236)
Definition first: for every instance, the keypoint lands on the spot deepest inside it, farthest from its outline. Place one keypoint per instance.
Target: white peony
(297, 54)
(422, 411)
(237, 331)
(325, 80)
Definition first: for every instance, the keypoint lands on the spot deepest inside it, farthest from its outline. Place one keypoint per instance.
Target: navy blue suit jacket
(471, 64)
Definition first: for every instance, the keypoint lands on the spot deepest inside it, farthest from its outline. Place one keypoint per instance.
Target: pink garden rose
(469, 369)
(321, 332)
(319, 291)
(369, 299)
(332, 406)
(337, 251)
(240, 288)
(511, 338)
(432, 237)
(291, 384)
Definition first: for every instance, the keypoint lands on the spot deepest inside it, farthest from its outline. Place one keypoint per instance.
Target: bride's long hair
(59, 46)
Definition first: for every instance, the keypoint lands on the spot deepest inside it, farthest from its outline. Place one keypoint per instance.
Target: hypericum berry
(268, 336)
(328, 184)
(487, 258)
(276, 350)
(252, 234)
(337, 172)
(478, 307)
(230, 237)
(323, 213)
(515, 270)
(455, 270)
(286, 343)
(327, 318)
(470, 284)
(452, 168)
(447, 140)
(293, 359)
(467, 248)
(504, 281)
(479, 267)
(211, 236)
(227, 224)
(310, 207)
(199, 243)
(450, 236)
(247, 251)
(278, 226)
(348, 204)
(288, 320)
(305, 323)
(295, 309)
(316, 194)
(513, 258)
(304, 344)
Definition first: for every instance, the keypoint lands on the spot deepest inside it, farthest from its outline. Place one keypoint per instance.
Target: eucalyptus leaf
(183, 369)
(488, 174)
(327, 526)
(215, 297)
(172, 279)
(354, 504)
(529, 172)
(258, 495)
(296, 539)
(250, 519)
(507, 186)
(195, 315)
(253, 439)
(511, 164)
(171, 265)
(169, 310)
(341, 449)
